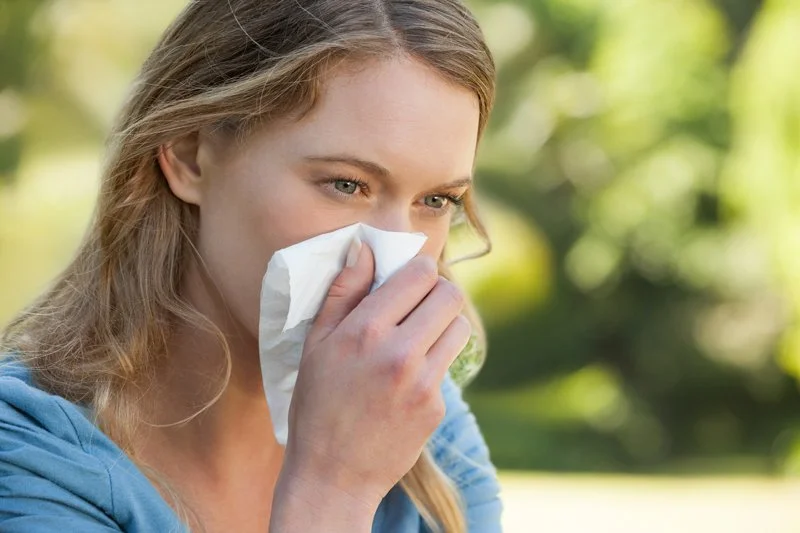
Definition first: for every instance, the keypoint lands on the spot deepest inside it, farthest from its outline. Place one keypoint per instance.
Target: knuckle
(426, 393)
(436, 409)
(398, 368)
(427, 401)
(425, 270)
(452, 292)
(403, 352)
(462, 325)
(371, 331)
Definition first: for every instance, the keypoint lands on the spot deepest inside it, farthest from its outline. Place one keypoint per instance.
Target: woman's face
(391, 145)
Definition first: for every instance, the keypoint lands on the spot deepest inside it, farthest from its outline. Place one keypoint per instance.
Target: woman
(254, 125)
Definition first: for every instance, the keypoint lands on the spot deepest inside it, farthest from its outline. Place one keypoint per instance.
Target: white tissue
(293, 290)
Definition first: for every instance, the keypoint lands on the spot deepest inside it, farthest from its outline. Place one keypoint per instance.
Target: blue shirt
(59, 472)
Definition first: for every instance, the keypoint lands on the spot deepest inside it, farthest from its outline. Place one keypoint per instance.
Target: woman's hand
(368, 396)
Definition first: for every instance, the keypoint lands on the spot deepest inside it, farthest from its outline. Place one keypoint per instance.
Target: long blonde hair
(98, 336)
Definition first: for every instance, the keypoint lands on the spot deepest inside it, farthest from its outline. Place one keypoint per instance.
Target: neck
(231, 438)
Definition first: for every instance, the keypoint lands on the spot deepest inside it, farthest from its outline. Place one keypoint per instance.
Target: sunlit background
(641, 181)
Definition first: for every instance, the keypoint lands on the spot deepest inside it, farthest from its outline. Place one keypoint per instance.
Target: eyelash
(453, 202)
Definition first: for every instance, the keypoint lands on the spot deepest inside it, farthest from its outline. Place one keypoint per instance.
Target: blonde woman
(131, 398)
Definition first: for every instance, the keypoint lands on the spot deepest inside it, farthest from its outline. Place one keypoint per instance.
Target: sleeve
(460, 451)
(48, 482)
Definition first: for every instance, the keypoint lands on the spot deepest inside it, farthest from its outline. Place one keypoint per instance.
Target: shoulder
(23, 405)
(459, 449)
(457, 444)
(59, 471)
(46, 462)
(37, 418)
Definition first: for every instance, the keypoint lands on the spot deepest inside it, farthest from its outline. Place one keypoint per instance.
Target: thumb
(348, 289)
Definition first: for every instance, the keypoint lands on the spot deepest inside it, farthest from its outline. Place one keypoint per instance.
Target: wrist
(305, 500)
(308, 466)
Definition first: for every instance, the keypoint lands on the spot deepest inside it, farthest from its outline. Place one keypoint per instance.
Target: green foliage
(658, 156)
(19, 47)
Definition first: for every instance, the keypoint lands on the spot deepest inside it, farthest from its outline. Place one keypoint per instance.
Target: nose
(400, 218)
(391, 219)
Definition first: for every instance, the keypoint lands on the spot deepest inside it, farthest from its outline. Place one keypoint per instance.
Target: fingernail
(353, 252)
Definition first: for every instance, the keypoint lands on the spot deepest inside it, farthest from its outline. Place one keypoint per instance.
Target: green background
(641, 182)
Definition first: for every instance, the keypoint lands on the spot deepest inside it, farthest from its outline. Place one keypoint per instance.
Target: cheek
(241, 227)
(235, 251)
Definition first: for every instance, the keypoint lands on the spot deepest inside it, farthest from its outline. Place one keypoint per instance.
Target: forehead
(398, 112)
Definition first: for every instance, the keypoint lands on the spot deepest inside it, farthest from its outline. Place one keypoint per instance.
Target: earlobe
(178, 161)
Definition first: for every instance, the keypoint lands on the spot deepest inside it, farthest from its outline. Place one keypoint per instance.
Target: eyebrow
(376, 169)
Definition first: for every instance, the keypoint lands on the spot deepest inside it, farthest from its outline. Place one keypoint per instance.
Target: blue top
(59, 472)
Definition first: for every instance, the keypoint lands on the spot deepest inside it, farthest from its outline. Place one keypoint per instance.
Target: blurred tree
(761, 183)
(20, 46)
(656, 343)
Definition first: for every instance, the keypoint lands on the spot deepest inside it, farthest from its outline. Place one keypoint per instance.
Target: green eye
(345, 186)
(436, 202)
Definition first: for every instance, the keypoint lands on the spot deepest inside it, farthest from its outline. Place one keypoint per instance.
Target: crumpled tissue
(292, 292)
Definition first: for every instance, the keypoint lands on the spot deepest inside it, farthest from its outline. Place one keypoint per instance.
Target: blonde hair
(99, 334)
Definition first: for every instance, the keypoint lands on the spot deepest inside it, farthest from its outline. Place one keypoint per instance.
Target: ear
(178, 161)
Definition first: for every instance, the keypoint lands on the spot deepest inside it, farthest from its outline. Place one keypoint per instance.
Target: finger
(402, 292)
(348, 289)
(445, 350)
(433, 315)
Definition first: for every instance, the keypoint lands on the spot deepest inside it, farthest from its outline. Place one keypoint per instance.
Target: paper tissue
(292, 292)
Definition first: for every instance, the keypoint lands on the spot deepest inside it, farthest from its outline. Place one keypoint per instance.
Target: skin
(367, 396)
